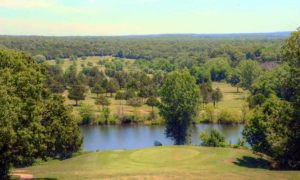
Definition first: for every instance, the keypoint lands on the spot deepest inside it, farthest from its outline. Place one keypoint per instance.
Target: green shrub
(87, 114)
(157, 143)
(227, 116)
(209, 113)
(113, 120)
(135, 102)
(130, 119)
(152, 115)
(213, 138)
(240, 143)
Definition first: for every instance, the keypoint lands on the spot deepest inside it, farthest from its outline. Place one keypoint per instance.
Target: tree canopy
(33, 122)
(179, 103)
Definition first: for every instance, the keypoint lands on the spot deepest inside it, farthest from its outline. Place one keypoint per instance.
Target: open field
(232, 100)
(169, 162)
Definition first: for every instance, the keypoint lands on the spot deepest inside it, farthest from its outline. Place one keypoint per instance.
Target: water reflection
(130, 137)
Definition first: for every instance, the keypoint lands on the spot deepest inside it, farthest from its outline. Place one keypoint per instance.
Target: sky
(137, 17)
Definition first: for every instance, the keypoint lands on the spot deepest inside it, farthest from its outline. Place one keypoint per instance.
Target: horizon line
(154, 34)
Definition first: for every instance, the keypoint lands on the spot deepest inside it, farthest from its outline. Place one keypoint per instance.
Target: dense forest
(176, 48)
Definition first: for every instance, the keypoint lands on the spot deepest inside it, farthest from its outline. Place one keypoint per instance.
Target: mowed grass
(167, 162)
(231, 98)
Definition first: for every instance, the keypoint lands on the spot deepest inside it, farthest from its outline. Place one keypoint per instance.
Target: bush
(130, 119)
(209, 114)
(212, 139)
(228, 117)
(135, 102)
(113, 120)
(240, 143)
(157, 143)
(152, 115)
(87, 115)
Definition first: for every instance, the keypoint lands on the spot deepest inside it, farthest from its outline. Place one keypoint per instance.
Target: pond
(139, 136)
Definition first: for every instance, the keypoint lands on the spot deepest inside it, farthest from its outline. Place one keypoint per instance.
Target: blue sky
(124, 17)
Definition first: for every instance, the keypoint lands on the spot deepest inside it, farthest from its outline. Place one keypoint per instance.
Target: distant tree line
(181, 50)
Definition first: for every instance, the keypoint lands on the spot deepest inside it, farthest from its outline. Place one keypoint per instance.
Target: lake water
(139, 136)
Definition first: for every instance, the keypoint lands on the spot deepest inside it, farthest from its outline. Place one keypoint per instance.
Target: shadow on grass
(251, 162)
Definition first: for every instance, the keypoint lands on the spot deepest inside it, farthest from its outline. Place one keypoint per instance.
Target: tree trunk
(76, 102)
(237, 89)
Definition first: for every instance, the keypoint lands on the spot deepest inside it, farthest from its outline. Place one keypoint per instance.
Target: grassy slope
(173, 162)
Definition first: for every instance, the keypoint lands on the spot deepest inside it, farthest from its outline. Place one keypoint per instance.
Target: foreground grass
(173, 162)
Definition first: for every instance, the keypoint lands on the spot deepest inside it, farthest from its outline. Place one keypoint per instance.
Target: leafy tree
(216, 96)
(274, 127)
(62, 133)
(212, 139)
(202, 74)
(103, 101)
(248, 71)
(97, 89)
(55, 86)
(77, 93)
(73, 58)
(179, 102)
(152, 101)
(70, 75)
(129, 93)
(59, 60)
(33, 122)
(86, 112)
(219, 68)
(135, 102)
(39, 58)
(120, 96)
(112, 86)
(234, 80)
(106, 114)
(206, 91)
(270, 131)
(210, 113)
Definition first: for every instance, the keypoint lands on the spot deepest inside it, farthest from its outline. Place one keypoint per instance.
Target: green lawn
(231, 98)
(169, 162)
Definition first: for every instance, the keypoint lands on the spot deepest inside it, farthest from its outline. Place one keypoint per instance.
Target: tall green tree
(216, 96)
(179, 103)
(103, 101)
(97, 89)
(112, 86)
(33, 122)
(274, 127)
(77, 93)
(234, 79)
(248, 71)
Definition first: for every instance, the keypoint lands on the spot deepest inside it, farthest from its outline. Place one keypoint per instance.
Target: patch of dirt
(229, 161)
(22, 174)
